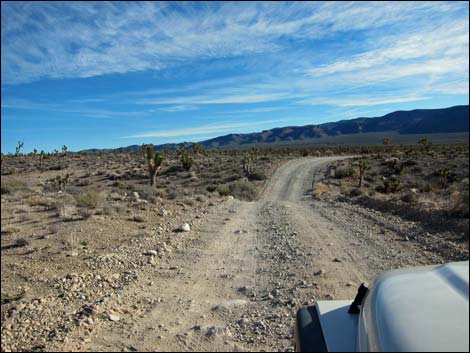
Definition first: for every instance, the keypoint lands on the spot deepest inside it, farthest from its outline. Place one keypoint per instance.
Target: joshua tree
(362, 165)
(64, 151)
(392, 185)
(386, 141)
(35, 152)
(18, 148)
(186, 160)
(443, 175)
(249, 161)
(185, 157)
(154, 162)
(197, 149)
(425, 143)
(144, 149)
(41, 157)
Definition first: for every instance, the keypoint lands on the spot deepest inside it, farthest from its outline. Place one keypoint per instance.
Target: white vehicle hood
(419, 309)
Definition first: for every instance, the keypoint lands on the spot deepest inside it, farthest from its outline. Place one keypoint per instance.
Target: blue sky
(113, 74)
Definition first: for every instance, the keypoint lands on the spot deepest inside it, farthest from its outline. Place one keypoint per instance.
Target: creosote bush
(243, 190)
(90, 199)
(223, 190)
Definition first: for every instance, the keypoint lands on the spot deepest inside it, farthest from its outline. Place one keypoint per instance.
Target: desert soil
(243, 272)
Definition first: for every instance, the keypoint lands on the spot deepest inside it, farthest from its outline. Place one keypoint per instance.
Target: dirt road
(246, 271)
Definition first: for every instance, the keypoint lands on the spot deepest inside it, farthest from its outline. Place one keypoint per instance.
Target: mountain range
(419, 121)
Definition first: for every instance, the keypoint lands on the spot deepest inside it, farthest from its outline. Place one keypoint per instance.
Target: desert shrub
(146, 192)
(390, 185)
(409, 197)
(243, 190)
(200, 198)
(171, 193)
(211, 188)
(343, 172)
(417, 170)
(84, 182)
(53, 229)
(137, 218)
(20, 242)
(40, 201)
(189, 202)
(409, 163)
(72, 190)
(465, 183)
(50, 187)
(90, 199)
(423, 186)
(8, 171)
(172, 169)
(461, 204)
(113, 176)
(85, 213)
(112, 209)
(223, 190)
(356, 192)
(60, 166)
(257, 175)
(66, 210)
(231, 178)
(9, 230)
(190, 175)
(13, 185)
(319, 189)
(109, 210)
(119, 185)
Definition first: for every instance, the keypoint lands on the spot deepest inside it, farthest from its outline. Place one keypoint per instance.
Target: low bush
(13, 185)
(356, 192)
(257, 175)
(410, 197)
(343, 172)
(211, 188)
(391, 185)
(243, 190)
(90, 199)
(223, 190)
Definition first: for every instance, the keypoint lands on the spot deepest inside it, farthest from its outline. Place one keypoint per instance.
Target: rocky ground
(222, 274)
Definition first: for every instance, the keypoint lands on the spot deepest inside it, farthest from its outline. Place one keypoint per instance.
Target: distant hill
(418, 121)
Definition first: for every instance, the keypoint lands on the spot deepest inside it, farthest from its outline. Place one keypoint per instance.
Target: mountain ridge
(418, 121)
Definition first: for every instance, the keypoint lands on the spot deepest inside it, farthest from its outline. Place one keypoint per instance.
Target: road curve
(247, 270)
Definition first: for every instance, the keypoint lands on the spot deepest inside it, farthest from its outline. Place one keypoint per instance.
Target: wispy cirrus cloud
(442, 42)
(215, 99)
(205, 129)
(61, 40)
(21, 104)
(365, 100)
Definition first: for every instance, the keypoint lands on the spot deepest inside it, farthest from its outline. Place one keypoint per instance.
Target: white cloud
(61, 40)
(360, 101)
(22, 104)
(205, 129)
